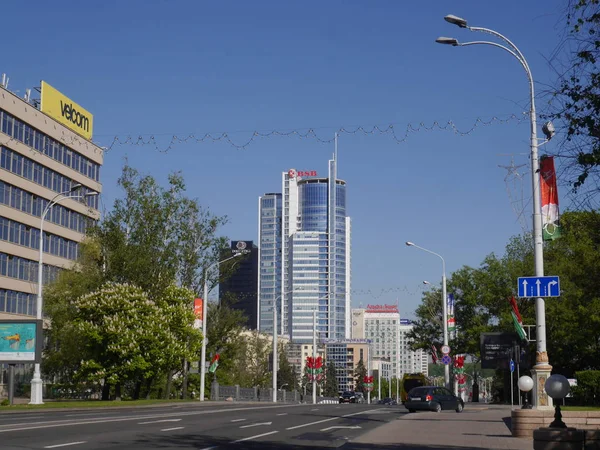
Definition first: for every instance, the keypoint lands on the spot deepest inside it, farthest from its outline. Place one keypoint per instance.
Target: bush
(587, 391)
(5, 402)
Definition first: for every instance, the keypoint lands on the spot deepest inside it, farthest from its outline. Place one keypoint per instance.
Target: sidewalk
(477, 427)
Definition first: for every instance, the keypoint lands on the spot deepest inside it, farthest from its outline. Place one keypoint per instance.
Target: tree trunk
(118, 392)
(137, 389)
(169, 383)
(185, 378)
(106, 391)
(149, 387)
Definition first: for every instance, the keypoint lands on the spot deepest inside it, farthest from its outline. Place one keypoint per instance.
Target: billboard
(497, 349)
(20, 341)
(198, 305)
(242, 247)
(64, 110)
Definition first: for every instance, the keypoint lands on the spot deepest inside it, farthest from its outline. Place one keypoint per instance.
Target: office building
(304, 259)
(410, 361)
(240, 287)
(380, 324)
(346, 354)
(45, 151)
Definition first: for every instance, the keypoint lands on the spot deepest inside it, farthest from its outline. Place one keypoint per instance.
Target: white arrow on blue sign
(512, 366)
(538, 286)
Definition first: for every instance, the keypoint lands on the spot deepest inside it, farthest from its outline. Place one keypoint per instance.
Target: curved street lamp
(37, 397)
(542, 367)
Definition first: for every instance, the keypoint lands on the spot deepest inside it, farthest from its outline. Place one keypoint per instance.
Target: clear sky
(167, 68)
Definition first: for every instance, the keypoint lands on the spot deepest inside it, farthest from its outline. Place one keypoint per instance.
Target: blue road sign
(512, 366)
(539, 286)
(446, 359)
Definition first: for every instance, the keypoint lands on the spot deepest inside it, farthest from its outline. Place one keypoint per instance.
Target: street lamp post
(542, 369)
(36, 381)
(444, 308)
(205, 325)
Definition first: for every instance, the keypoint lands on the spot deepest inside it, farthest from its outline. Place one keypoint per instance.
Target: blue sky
(167, 68)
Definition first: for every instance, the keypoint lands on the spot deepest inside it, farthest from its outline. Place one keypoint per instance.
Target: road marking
(355, 427)
(255, 437)
(330, 419)
(282, 414)
(88, 414)
(72, 422)
(159, 421)
(316, 409)
(256, 424)
(65, 445)
(172, 429)
(238, 420)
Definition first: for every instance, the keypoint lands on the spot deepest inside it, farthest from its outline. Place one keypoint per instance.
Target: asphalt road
(200, 427)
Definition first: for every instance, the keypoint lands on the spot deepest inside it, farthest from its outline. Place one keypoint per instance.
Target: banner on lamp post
(198, 305)
(551, 228)
(451, 319)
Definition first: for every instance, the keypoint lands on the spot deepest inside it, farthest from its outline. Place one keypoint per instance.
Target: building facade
(311, 234)
(269, 260)
(411, 361)
(41, 157)
(346, 354)
(241, 286)
(380, 324)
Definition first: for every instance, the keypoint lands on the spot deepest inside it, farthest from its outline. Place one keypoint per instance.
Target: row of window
(43, 143)
(14, 302)
(29, 169)
(25, 269)
(32, 204)
(21, 234)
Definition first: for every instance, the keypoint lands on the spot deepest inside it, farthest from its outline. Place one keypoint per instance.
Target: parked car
(348, 397)
(387, 401)
(432, 398)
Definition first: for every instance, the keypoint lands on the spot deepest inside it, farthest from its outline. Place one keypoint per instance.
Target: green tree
(331, 386)
(286, 376)
(360, 372)
(576, 102)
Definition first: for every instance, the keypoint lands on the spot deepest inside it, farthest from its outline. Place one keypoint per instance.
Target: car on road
(388, 401)
(348, 397)
(432, 398)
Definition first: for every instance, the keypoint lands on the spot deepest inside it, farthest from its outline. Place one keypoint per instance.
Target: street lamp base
(539, 396)
(36, 391)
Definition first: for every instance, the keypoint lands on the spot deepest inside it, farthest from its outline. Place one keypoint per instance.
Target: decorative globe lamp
(557, 387)
(526, 384)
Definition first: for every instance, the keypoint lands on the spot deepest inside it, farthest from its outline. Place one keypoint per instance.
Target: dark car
(348, 397)
(387, 401)
(432, 398)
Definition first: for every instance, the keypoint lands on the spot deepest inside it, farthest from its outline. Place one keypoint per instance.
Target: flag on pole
(551, 228)
(214, 364)
(518, 322)
(434, 355)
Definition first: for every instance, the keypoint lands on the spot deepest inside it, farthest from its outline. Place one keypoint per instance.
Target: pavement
(211, 426)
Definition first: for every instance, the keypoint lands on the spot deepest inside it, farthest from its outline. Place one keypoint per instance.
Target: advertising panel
(242, 247)
(497, 349)
(64, 110)
(198, 313)
(20, 341)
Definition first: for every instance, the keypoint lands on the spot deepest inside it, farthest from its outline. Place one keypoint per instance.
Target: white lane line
(330, 419)
(256, 424)
(159, 421)
(335, 427)
(73, 422)
(255, 437)
(282, 414)
(88, 414)
(316, 409)
(65, 445)
(238, 420)
(172, 429)
(209, 448)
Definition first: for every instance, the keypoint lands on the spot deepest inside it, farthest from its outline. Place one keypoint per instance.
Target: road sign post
(530, 287)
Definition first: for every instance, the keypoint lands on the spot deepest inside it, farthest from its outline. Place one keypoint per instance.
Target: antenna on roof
(4, 81)
(27, 95)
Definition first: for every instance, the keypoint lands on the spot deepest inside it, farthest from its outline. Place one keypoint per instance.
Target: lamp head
(557, 386)
(447, 41)
(75, 187)
(91, 194)
(525, 383)
(455, 20)
(409, 244)
(426, 282)
(549, 130)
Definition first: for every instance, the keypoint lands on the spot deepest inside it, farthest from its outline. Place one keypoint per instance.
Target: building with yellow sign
(47, 162)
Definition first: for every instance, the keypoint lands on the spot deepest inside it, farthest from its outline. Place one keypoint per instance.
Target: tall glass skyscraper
(312, 257)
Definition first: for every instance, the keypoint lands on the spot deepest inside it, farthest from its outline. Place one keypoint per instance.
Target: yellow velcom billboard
(66, 111)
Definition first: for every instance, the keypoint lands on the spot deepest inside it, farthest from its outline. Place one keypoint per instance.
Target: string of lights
(398, 133)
